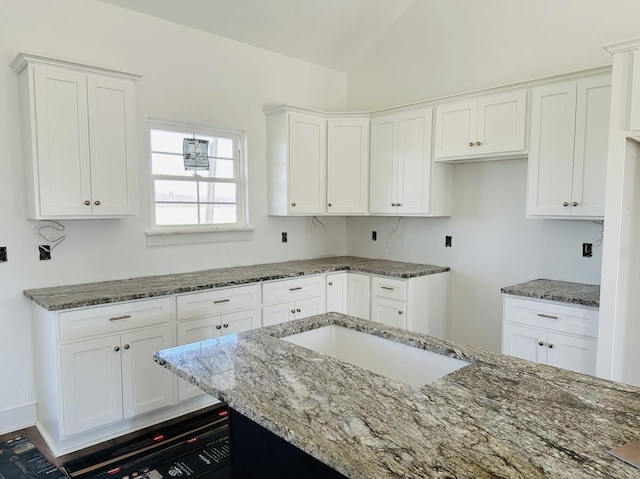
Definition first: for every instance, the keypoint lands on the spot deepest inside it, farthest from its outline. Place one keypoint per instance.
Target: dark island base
(257, 452)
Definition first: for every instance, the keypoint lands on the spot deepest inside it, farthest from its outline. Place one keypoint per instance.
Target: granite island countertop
(553, 290)
(498, 417)
(89, 294)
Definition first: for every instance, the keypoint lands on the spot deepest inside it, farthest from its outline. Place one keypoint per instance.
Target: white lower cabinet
(419, 304)
(550, 333)
(211, 314)
(288, 299)
(349, 293)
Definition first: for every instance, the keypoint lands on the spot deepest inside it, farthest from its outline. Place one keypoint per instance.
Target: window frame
(240, 167)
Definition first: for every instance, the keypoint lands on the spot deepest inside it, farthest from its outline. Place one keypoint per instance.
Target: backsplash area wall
(493, 245)
(187, 76)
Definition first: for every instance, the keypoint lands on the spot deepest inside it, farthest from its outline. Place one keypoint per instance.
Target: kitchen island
(498, 417)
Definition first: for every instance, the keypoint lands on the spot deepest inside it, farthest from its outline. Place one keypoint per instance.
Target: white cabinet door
(414, 162)
(63, 172)
(307, 142)
(569, 352)
(337, 289)
(384, 164)
(92, 383)
(456, 129)
(388, 311)
(358, 301)
(278, 313)
(145, 385)
(347, 166)
(309, 307)
(524, 343)
(501, 123)
(591, 145)
(191, 332)
(551, 152)
(239, 321)
(112, 146)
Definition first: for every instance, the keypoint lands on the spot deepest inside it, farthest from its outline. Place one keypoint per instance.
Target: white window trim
(191, 234)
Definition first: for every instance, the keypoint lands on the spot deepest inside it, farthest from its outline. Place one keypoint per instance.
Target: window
(203, 195)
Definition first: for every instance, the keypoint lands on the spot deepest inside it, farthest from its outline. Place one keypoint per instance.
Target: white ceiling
(333, 33)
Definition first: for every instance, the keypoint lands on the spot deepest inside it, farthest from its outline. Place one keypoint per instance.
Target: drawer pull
(547, 316)
(218, 301)
(389, 288)
(296, 288)
(118, 318)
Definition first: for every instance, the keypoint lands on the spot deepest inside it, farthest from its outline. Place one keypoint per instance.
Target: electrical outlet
(447, 241)
(45, 252)
(587, 250)
(374, 236)
(3, 254)
(284, 237)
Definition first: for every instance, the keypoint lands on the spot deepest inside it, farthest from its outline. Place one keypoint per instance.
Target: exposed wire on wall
(387, 249)
(598, 242)
(315, 221)
(54, 225)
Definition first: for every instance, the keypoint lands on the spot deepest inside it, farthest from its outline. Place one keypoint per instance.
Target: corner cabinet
(79, 139)
(551, 333)
(568, 152)
(404, 180)
(481, 128)
(318, 163)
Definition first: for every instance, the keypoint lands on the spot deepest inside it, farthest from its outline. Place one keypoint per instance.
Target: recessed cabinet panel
(414, 163)
(574, 354)
(337, 292)
(455, 129)
(501, 123)
(384, 170)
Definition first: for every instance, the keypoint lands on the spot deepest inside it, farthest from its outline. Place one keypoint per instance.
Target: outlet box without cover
(447, 241)
(45, 252)
(284, 237)
(374, 236)
(587, 250)
(3, 254)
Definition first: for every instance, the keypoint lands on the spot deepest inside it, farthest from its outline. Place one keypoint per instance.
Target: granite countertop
(552, 290)
(89, 294)
(498, 417)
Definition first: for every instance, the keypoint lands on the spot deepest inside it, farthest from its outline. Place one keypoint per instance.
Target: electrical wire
(315, 221)
(387, 249)
(598, 242)
(55, 226)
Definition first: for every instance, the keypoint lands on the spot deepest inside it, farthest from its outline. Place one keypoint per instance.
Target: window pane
(222, 168)
(176, 214)
(176, 191)
(218, 192)
(222, 148)
(168, 141)
(168, 165)
(218, 214)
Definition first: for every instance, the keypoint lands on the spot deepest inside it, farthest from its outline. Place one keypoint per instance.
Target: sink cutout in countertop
(408, 364)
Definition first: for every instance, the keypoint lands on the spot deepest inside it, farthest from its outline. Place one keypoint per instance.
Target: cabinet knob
(330, 204)
(293, 311)
(96, 202)
(330, 283)
(393, 204)
(471, 143)
(298, 310)
(551, 346)
(87, 202)
(540, 343)
(218, 326)
(225, 325)
(478, 143)
(565, 204)
(400, 312)
(126, 346)
(116, 348)
(575, 203)
(293, 204)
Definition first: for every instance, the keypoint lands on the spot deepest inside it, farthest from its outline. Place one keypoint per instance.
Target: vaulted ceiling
(333, 33)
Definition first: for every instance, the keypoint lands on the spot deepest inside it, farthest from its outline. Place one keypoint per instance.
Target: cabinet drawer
(551, 316)
(389, 287)
(113, 318)
(291, 289)
(217, 301)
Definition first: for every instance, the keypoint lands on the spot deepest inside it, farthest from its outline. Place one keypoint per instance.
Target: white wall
(231, 85)
(493, 245)
(443, 47)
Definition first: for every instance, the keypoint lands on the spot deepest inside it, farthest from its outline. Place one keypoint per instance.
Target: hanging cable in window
(54, 225)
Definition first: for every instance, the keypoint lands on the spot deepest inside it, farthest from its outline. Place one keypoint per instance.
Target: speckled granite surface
(500, 417)
(88, 294)
(564, 291)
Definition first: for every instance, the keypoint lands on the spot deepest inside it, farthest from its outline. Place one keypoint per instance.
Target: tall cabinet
(79, 139)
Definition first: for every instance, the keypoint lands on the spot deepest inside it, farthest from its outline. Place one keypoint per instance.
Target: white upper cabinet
(80, 140)
(568, 152)
(317, 164)
(404, 180)
(482, 128)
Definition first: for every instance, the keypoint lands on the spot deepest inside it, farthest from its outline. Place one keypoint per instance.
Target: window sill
(197, 236)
